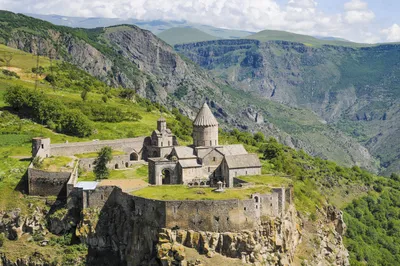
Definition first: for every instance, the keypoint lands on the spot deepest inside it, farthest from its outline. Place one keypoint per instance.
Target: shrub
(10, 73)
(74, 123)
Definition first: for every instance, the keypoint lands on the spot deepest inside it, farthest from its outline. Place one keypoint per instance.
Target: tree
(259, 137)
(272, 149)
(76, 124)
(104, 157)
(84, 95)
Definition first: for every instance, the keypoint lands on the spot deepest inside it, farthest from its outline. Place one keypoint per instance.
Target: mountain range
(334, 101)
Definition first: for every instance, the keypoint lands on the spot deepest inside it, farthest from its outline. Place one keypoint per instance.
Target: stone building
(205, 162)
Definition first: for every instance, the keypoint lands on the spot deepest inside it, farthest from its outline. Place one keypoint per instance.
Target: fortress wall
(199, 215)
(269, 205)
(97, 198)
(209, 215)
(42, 183)
(69, 149)
(123, 161)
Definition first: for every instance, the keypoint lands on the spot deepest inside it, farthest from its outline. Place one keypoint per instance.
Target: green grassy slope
(184, 35)
(274, 35)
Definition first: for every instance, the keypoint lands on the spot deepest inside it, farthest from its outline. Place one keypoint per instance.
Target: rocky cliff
(355, 89)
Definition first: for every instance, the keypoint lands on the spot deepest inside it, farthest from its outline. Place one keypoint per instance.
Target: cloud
(356, 11)
(300, 16)
(392, 33)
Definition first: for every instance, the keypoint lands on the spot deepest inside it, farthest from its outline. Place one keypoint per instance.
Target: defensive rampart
(201, 215)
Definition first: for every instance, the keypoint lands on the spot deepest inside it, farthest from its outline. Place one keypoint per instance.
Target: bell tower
(205, 128)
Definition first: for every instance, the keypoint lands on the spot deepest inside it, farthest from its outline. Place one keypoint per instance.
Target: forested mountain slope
(356, 89)
(133, 58)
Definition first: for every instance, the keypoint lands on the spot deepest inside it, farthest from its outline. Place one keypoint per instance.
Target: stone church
(202, 164)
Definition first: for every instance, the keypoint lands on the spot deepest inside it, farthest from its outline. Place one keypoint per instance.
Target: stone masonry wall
(118, 162)
(202, 215)
(42, 183)
(70, 149)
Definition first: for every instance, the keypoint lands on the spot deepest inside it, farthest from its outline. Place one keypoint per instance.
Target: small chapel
(202, 164)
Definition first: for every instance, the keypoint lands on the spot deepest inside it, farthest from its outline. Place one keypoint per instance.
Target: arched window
(166, 176)
(134, 156)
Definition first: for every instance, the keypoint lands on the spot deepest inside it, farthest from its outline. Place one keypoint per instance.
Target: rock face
(273, 243)
(324, 239)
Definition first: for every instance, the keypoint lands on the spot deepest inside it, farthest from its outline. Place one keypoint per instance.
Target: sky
(369, 21)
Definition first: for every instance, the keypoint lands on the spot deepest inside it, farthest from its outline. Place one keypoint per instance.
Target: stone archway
(116, 166)
(134, 156)
(166, 176)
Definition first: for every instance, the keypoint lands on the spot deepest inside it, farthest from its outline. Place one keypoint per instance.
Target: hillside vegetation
(354, 90)
(184, 35)
(275, 35)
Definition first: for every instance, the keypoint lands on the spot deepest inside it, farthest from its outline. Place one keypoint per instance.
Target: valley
(321, 119)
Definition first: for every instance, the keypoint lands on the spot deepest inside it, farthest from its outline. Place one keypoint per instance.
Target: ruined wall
(42, 183)
(70, 149)
(118, 162)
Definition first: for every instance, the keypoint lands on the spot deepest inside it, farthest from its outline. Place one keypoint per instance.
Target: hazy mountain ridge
(118, 56)
(356, 88)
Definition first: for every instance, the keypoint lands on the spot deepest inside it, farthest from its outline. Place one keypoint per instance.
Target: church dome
(205, 117)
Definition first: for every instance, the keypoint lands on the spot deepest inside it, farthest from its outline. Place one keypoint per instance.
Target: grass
(270, 180)
(95, 154)
(137, 172)
(55, 164)
(182, 192)
(185, 35)
(274, 35)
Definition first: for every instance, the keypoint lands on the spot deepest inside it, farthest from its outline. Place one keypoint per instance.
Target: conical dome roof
(205, 117)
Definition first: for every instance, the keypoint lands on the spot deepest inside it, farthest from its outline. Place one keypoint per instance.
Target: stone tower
(161, 124)
(41, 147)
(205, 128)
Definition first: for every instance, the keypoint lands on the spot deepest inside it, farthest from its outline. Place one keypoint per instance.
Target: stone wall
(70, 149)
(229, 174)
(202, 215)
(42, 183)
(118, 162)
(129, 226)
